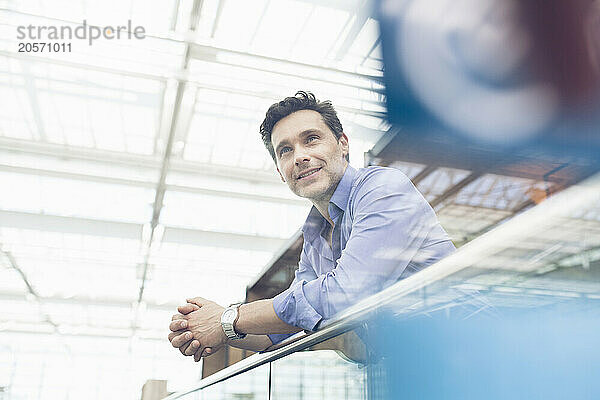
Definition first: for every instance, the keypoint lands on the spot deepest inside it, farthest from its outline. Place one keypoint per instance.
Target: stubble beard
(323, 192)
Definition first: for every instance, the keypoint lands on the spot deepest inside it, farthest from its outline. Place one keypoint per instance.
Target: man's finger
(188, 308)
(178, 324)
(207, 351)
(191, 349)
(182, 339)
(177, 316)
(199, 301)
(185, 349)
(173, 334)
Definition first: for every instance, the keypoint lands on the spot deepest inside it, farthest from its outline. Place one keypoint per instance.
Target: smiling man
(368, 228)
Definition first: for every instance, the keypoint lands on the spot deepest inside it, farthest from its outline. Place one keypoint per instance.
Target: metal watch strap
(228, 323)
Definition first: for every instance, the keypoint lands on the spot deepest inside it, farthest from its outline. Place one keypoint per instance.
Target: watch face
(228, 314)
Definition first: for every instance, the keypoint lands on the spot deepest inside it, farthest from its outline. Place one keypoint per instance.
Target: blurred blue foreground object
(532, 354)
(510, 88)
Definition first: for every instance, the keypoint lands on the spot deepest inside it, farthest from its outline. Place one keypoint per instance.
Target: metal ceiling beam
(203, 85)
(133, 231)
(147, 100)
(219, 239)
(371, 50)
(30, 88)
(169, 128)
(345, 5)
(362, 16)
(199, 50)
(452, 191)
(258, 23)
(146, 184)
(87, 301)
(424, 173)
(209, 54)
(74, 225)
(362, 132)
(140, 335)
(84, 66)
(195, 14)
(138, 98)
(277, 96)
(217, 18)
(188, 109)
(92, 331)
(135, 160)
(175, 14)
(160, 192)
(12, 262)
(526, 204)
(175, 37)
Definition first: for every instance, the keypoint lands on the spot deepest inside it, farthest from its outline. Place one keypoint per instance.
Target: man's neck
(322, 204)
(323, 207)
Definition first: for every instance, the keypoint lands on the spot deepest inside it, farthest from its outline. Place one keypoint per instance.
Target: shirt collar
(342, 192)
(313, 225)
(338, 203)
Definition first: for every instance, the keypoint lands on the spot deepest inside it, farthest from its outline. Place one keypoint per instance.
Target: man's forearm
(259, 318)
(252, 342)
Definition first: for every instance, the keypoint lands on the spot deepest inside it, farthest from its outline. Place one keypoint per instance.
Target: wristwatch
(228, 318)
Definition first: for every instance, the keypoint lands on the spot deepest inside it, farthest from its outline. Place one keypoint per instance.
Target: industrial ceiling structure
(133, 175)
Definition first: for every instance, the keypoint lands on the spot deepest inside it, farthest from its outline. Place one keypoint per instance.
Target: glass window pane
(319, 374)
(253, 384)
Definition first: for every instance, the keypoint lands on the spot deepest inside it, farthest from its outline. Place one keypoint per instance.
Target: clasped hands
(197, 330)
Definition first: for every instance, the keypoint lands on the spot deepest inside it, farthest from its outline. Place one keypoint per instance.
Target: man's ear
(343, 141)
(280, 174)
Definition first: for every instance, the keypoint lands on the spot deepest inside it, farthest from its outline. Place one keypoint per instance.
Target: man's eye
(311, 138)
(283, 150)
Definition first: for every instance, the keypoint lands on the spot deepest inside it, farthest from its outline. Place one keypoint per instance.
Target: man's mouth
(308, 173)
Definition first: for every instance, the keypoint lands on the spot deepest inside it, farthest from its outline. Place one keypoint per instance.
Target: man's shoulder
(389, 185)
(371, 177)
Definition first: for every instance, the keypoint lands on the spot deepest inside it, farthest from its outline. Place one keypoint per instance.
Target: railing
(521, 279)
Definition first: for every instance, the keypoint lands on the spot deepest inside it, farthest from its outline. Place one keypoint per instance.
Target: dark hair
(301, 101)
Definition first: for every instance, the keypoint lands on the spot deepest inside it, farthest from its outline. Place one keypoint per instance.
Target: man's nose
(302, 157)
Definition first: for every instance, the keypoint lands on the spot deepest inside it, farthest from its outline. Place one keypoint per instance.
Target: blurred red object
(566, 46)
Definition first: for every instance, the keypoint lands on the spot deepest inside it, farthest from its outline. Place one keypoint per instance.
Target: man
(367, 229)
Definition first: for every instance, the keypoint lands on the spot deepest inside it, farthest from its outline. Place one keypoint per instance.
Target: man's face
(309, 157)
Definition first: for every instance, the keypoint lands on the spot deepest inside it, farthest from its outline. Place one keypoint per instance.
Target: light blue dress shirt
(384, 231)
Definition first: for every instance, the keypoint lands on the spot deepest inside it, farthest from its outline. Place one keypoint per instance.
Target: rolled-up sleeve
(291, 305)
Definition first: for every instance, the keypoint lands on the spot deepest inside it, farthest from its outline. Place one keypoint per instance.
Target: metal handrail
(521, 226)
